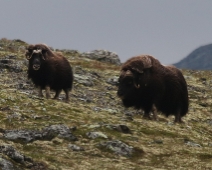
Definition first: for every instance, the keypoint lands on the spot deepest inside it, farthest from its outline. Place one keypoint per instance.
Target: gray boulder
(118, 147)
(103, 55)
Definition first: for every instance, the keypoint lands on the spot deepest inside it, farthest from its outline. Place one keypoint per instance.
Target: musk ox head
(36, 54)
(133, 79)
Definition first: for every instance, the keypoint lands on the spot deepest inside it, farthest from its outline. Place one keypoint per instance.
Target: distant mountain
(199, 59)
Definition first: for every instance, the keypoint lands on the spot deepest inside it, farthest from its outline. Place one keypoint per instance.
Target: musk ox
(145, 83)
(49, 70)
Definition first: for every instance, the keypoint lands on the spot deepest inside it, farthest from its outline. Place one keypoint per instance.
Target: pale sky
(166, 29)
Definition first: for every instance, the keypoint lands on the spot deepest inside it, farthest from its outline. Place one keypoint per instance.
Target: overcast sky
(166, 29)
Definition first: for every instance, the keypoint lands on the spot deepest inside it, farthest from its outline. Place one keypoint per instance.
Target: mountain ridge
(198, 59)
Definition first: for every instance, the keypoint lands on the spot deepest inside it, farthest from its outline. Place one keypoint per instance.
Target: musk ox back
(146, 84)
(49, 70)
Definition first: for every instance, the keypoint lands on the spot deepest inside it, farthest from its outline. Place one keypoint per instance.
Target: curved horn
(128, 73)
(137, 86)
(27, 55)
(37, 51)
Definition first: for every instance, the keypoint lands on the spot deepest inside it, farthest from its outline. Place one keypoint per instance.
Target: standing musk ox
(145, 83)
(49, 70)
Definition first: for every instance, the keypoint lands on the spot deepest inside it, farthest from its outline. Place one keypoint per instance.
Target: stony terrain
(94, 131)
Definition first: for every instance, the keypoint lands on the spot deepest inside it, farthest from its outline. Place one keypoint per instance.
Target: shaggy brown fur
(49, 70)
(146, 84)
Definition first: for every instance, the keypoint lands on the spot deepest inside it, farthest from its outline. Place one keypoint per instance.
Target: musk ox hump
(147, 62)
(138, 63)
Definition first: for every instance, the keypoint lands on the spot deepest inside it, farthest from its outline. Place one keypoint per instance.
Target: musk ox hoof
(48, 97)
(147, 116)
(155, 119)
(67, 101)
(40, 95)
(179, 121)
(55, 98)
(150, 118)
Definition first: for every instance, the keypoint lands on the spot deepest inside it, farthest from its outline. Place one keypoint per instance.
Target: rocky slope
(199, 59)
(94, 131)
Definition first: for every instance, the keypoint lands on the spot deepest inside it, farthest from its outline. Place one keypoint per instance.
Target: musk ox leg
(47, 88)
(178, 118)
(67, 94)
(40, 94)
(57, 94)
(154, 112)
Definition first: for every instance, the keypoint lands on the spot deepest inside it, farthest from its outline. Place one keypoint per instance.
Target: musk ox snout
(36, 62)
(36, 67)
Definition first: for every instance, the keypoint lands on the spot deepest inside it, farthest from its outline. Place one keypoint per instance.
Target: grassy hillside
(94, 131)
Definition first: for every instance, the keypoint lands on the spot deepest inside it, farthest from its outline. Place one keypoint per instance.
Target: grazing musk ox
(49, 70)
(145, 83)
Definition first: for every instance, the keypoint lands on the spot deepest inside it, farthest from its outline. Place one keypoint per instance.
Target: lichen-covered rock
(22, 135)
(94, 135)
(7, 165)
(11, 65)
(12, 153)
(18, 158)
(75, 147)
(118, 147)
(113, 80)
(103, 55)
(84, 80)
(191, 143)
(48, 133)
(85, 77)
(61, 131)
